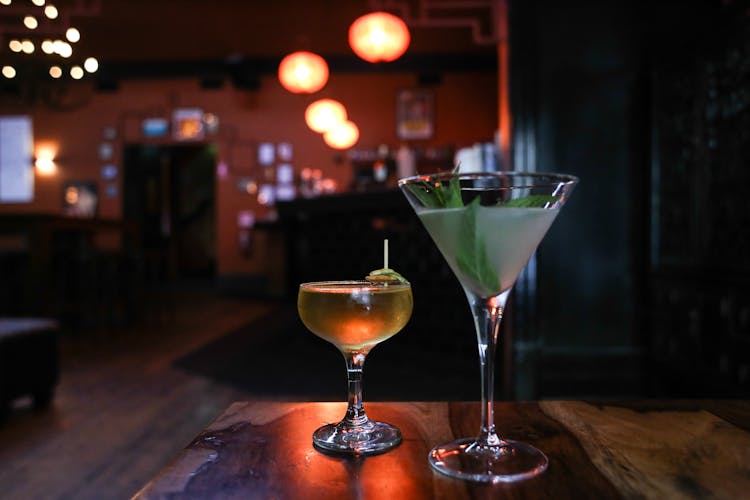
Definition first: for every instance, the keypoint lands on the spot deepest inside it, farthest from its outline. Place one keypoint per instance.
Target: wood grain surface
(613, 450)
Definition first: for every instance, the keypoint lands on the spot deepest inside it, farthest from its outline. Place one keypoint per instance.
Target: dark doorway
(169, 190)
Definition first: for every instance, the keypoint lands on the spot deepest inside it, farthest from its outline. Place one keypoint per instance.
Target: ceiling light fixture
(342, 136)
(29, 26)
(303, 72)
(324, 114)
(379, 37)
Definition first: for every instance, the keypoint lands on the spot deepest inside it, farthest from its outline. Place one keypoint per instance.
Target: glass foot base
(365, 439)
(506, 463)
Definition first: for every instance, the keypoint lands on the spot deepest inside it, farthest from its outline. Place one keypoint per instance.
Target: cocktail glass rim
(565, 179)
(335, 284)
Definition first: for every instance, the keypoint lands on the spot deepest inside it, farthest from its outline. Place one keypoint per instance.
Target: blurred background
(160, 203)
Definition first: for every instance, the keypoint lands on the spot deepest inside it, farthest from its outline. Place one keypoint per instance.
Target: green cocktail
(487, 226)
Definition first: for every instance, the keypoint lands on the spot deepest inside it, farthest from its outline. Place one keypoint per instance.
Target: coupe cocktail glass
(355, 316)
(487, 226)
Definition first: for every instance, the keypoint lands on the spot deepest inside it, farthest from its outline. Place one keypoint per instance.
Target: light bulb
(65, 50)
(73, 35)
(30, 22)
(91, 64)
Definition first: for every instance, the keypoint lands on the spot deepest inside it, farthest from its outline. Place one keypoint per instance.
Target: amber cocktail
(355, 316)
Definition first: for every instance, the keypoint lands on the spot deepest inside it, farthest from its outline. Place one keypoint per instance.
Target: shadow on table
(276, 357)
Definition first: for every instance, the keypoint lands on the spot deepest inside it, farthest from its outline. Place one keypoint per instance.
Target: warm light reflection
(45, 159)
(55, 72)
(76, 72)
(335, 476)
(48, 47)
(324, 114)
(45, 166)
(5, 2)
(27, 46)
(15, 45)
(342, 136)
(303, 72)
(379, 37)
(38, 3)
(9, 72)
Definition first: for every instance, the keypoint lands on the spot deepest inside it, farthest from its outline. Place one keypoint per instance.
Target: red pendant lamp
(303, 72)
(379, 37)
(324, 114)
(342, 136)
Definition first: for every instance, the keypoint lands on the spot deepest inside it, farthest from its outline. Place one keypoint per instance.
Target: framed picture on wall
(415, 114)
(187, 124)
(80, 199)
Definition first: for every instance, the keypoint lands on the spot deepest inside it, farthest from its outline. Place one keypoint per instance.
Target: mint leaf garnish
(471, 251)
(471, 254)
(428, 195)
(453, 198)
(433, 193)
(531, 201)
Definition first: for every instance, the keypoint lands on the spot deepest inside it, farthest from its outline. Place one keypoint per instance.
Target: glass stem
(355, 412)
(488, 313)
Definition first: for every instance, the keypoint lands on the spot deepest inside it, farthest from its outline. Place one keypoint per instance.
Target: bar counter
(643, 449)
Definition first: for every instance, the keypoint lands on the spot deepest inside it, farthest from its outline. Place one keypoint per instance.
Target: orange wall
(466, 112)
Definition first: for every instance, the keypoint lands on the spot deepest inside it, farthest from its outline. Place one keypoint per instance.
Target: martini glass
(355, 316)
(487, 225)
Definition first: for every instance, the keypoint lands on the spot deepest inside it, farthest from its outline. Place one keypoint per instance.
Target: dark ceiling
(210, 29)
(166, 38)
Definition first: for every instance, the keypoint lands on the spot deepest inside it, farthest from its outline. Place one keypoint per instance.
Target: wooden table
(654, 449)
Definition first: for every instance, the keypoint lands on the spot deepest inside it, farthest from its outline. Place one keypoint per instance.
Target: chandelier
(38, 39)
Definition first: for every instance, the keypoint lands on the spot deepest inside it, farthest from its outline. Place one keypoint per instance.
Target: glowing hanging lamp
(342, 136)
(303, 72)
(324, 114)
(379, 37)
